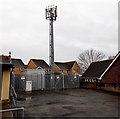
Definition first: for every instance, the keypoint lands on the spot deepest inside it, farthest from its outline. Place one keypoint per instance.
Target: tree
(111, 57)
(89, 56)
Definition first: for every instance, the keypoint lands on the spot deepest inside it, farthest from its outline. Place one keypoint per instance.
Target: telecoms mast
(51, 14)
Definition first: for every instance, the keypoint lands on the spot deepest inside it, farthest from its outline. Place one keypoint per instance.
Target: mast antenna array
(51, 14)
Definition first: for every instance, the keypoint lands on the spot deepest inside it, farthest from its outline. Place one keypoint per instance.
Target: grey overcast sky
(80, 25)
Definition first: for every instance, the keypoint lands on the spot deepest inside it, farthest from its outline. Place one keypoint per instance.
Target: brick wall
(113, 74)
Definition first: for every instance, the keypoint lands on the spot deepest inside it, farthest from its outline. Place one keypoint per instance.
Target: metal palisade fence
(31, 82)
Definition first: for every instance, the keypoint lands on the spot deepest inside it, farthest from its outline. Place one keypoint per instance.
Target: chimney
(10, 57)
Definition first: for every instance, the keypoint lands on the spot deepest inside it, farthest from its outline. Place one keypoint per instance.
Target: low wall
(102, 86)
(110, 88)
(86, 85)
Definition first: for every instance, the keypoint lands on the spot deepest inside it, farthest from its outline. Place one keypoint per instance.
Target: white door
(28, 85)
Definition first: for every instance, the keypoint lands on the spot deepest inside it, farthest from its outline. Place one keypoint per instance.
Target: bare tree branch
(89, 56)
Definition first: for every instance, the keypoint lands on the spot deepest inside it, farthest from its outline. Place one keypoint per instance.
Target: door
(28, 85)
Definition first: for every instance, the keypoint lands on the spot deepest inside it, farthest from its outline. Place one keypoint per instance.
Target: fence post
(79, 82)
(63, 80)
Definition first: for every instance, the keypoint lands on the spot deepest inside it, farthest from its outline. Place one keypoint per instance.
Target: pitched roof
(41, 63)
(65, 65)
(17, 62)
(5, 62)
(96, 69)
(4, 59)
(115, 58)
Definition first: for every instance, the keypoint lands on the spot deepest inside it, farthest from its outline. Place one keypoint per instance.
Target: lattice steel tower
(51, 14)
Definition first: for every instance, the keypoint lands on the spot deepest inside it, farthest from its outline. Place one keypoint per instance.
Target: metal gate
(38, 81)
(37, 78)
(18, 82)
(63, 81)
(41, 81)
(71, 81)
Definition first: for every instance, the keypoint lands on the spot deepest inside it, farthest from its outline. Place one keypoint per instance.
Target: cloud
(81, 24)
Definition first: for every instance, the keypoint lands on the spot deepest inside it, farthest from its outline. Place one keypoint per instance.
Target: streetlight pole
(51, 14)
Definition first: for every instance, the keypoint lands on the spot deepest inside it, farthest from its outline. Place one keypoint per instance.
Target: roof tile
(96, 69)
(65, 65)
(17, 62)
(41, 63)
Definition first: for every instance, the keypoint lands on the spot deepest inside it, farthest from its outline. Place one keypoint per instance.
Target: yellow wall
(5, 85)
(66, 72)
(17, 70)
(31, 65)
(56, 68)
(75, 69)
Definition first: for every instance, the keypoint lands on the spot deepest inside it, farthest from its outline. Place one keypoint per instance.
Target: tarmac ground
(69, 103)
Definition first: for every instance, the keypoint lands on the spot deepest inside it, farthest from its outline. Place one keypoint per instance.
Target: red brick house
(37, 63)
(68, 68)
(95, 70)
(103, 75)
(112, 73)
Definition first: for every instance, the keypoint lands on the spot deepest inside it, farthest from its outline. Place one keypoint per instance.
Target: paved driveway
(69, 103)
